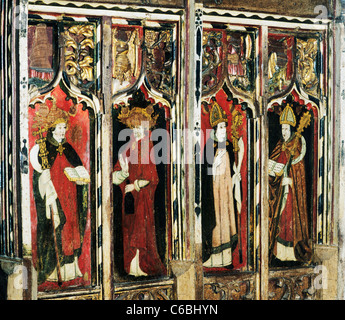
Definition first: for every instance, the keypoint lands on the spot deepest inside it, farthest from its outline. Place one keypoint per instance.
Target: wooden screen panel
(296, 136)
(229, 86)
(62, 153)
(70, 208)
(292, 216)
(144, 85)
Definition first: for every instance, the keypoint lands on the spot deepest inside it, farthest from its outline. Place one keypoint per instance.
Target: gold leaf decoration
(79, 45)
(125, 55)
(306, 53)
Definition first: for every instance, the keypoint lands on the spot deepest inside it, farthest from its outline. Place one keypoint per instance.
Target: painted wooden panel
(63, 146)
(144, 85)
(141, 199)
(296, 137)
(293, 210)
(229, 85)
(62, 153)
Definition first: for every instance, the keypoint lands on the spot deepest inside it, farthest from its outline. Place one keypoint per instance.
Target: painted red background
(221, 98)
(82, 147)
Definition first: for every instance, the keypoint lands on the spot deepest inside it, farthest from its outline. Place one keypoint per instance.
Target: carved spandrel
(241, 61)
(212, 60)
(228, 56)
(280, 63)
(40, 56)
(126, 62)
(79, 62)
(307, 52)
(159, 60)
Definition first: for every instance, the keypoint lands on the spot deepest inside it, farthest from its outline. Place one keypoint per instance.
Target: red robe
(68, 232)
(293, 226)
(139, 228)
(67, 194)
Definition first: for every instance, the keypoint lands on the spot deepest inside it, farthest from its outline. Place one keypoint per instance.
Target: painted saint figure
(59, 238)
(136, 174)
(289, 233)
(219, 230)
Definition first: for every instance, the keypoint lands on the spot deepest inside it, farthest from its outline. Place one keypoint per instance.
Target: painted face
(59, 132)
(139, 132)
(221, 132)
(286, 131)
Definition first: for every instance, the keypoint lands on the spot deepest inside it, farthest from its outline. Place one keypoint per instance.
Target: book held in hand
(77, 174)
(275, 168)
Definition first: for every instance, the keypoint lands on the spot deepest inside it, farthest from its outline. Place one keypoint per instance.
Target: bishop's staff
(274, 227)
(43, 154)
(238, 151)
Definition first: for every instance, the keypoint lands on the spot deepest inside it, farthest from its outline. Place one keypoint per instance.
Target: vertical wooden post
(339, 142)
(23, 100)
(15, 134)
(107, 147)
(189, 272)
(195, 91)
(264, 239)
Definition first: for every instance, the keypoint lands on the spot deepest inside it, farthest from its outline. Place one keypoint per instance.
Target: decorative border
(101, 9)
(266, 18)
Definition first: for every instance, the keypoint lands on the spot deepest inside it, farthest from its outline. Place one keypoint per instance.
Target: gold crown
(59, 120)
(288, 116)
(134, 117)
(46, 117)
(218, 115)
